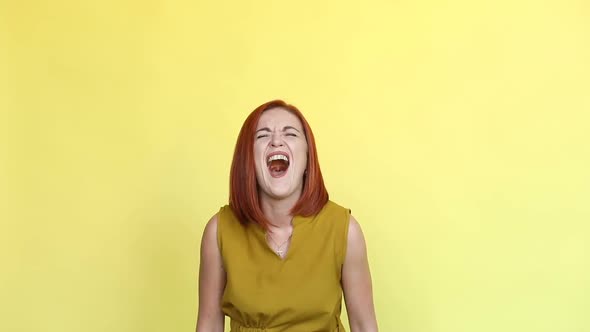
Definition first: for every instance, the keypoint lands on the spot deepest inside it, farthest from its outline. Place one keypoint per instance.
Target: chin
(282, 188)
(281, 193)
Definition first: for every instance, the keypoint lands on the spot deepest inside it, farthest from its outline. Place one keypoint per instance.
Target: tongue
(278, 166)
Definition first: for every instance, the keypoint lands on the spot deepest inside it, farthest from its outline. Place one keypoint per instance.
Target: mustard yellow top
(299, 293)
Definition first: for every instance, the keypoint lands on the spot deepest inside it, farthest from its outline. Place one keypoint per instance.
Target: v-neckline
(290, 242)
(296, 221)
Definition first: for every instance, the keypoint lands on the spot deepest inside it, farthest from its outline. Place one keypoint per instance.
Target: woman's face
(280, 154)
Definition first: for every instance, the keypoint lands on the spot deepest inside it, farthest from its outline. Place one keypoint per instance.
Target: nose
(276, 140)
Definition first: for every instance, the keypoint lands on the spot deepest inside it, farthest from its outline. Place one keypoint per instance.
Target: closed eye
(291, 134)
(261, 136)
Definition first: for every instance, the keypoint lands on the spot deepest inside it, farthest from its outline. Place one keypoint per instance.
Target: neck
(278, 211)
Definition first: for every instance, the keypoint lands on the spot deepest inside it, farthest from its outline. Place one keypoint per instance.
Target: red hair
(243, 194)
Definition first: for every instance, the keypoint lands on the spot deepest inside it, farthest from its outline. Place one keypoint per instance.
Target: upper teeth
(278, 157)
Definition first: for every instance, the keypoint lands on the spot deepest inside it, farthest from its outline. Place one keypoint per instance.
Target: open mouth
(277, 164)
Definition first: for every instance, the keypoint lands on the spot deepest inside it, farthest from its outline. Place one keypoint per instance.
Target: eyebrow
(285, 128)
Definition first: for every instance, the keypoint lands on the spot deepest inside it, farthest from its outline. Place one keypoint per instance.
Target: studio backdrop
(457, 131)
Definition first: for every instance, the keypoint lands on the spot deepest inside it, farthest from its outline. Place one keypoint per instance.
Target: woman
(280, 255)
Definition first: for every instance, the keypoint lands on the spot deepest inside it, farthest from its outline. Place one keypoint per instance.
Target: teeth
(278, 157)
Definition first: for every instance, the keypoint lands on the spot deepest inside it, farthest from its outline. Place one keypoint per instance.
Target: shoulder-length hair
(243, 195)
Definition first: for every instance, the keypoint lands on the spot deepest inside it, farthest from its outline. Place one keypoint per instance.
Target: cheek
(258, 151)
(303, 159)
(304, 162)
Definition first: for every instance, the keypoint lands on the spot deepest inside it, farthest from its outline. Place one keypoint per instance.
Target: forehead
(278, 117)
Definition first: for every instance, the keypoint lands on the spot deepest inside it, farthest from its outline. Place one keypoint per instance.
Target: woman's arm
(211, 282)
(356, 282)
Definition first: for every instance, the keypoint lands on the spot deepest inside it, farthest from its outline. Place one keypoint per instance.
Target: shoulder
(221, 232)
(335, 211)
(229, 231)
(333, 218)
(355, 233)
(331, 205)
(224, 215)
(211, 226)
(224, 219)
(210, 232)
(356, 246)
(210, 248)
(215, 226)
(336, 221)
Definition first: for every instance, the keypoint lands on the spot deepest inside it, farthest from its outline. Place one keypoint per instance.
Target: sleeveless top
(301, 292)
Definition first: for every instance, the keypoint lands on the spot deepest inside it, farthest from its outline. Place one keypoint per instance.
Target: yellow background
(457, 132)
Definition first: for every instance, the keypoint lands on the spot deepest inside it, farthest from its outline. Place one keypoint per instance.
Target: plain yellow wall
(457, 132)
